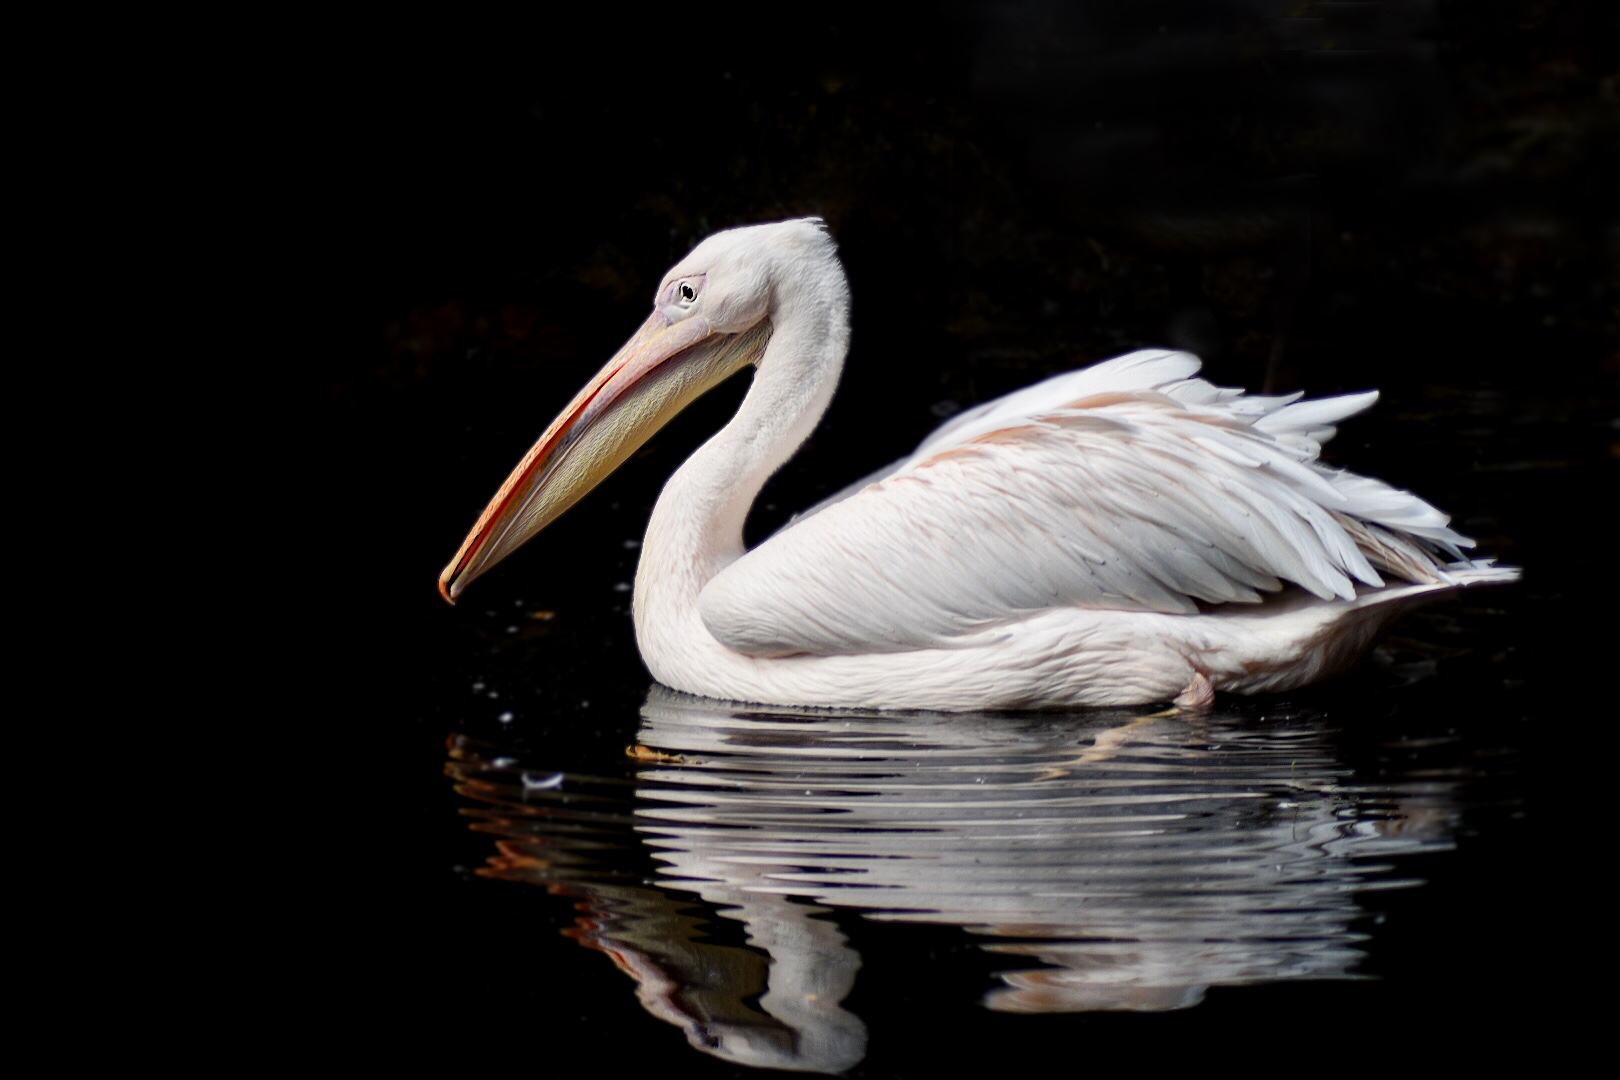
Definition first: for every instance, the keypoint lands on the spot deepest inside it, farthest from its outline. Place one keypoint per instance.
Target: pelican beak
(657, 373)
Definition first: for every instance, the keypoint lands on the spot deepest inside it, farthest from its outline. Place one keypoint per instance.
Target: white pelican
(1123, 534)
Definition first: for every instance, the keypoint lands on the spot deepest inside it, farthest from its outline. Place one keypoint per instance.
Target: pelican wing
(1129, 485)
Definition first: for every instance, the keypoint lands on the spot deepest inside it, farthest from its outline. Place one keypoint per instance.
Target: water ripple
(1117, 861)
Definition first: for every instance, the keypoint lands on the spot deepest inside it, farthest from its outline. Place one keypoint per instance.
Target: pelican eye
(688, 293)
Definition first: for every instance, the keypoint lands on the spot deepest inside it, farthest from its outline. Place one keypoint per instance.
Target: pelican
(1119, 535)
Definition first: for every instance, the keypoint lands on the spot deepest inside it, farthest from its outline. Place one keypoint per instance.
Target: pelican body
(1122, 534)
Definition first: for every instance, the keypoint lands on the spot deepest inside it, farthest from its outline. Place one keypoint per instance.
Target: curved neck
(696, 526)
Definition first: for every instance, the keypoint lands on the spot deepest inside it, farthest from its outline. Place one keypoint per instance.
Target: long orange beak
(654, 376)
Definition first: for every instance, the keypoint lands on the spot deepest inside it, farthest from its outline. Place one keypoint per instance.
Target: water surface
(1103, 861)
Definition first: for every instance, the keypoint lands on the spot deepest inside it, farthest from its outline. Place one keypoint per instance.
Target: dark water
(1394, 869)
(1102, 862)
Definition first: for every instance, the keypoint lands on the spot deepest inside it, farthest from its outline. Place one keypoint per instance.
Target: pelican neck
(697, 524)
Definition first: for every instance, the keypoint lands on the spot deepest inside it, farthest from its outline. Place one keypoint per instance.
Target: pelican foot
(1105, 745)
(1199, 694)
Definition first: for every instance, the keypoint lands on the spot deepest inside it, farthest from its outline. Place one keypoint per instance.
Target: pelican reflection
(1119, 861)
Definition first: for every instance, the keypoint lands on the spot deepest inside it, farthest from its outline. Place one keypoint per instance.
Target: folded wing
(1130, 485)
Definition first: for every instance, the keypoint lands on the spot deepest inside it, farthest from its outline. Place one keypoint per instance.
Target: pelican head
(710, 318)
